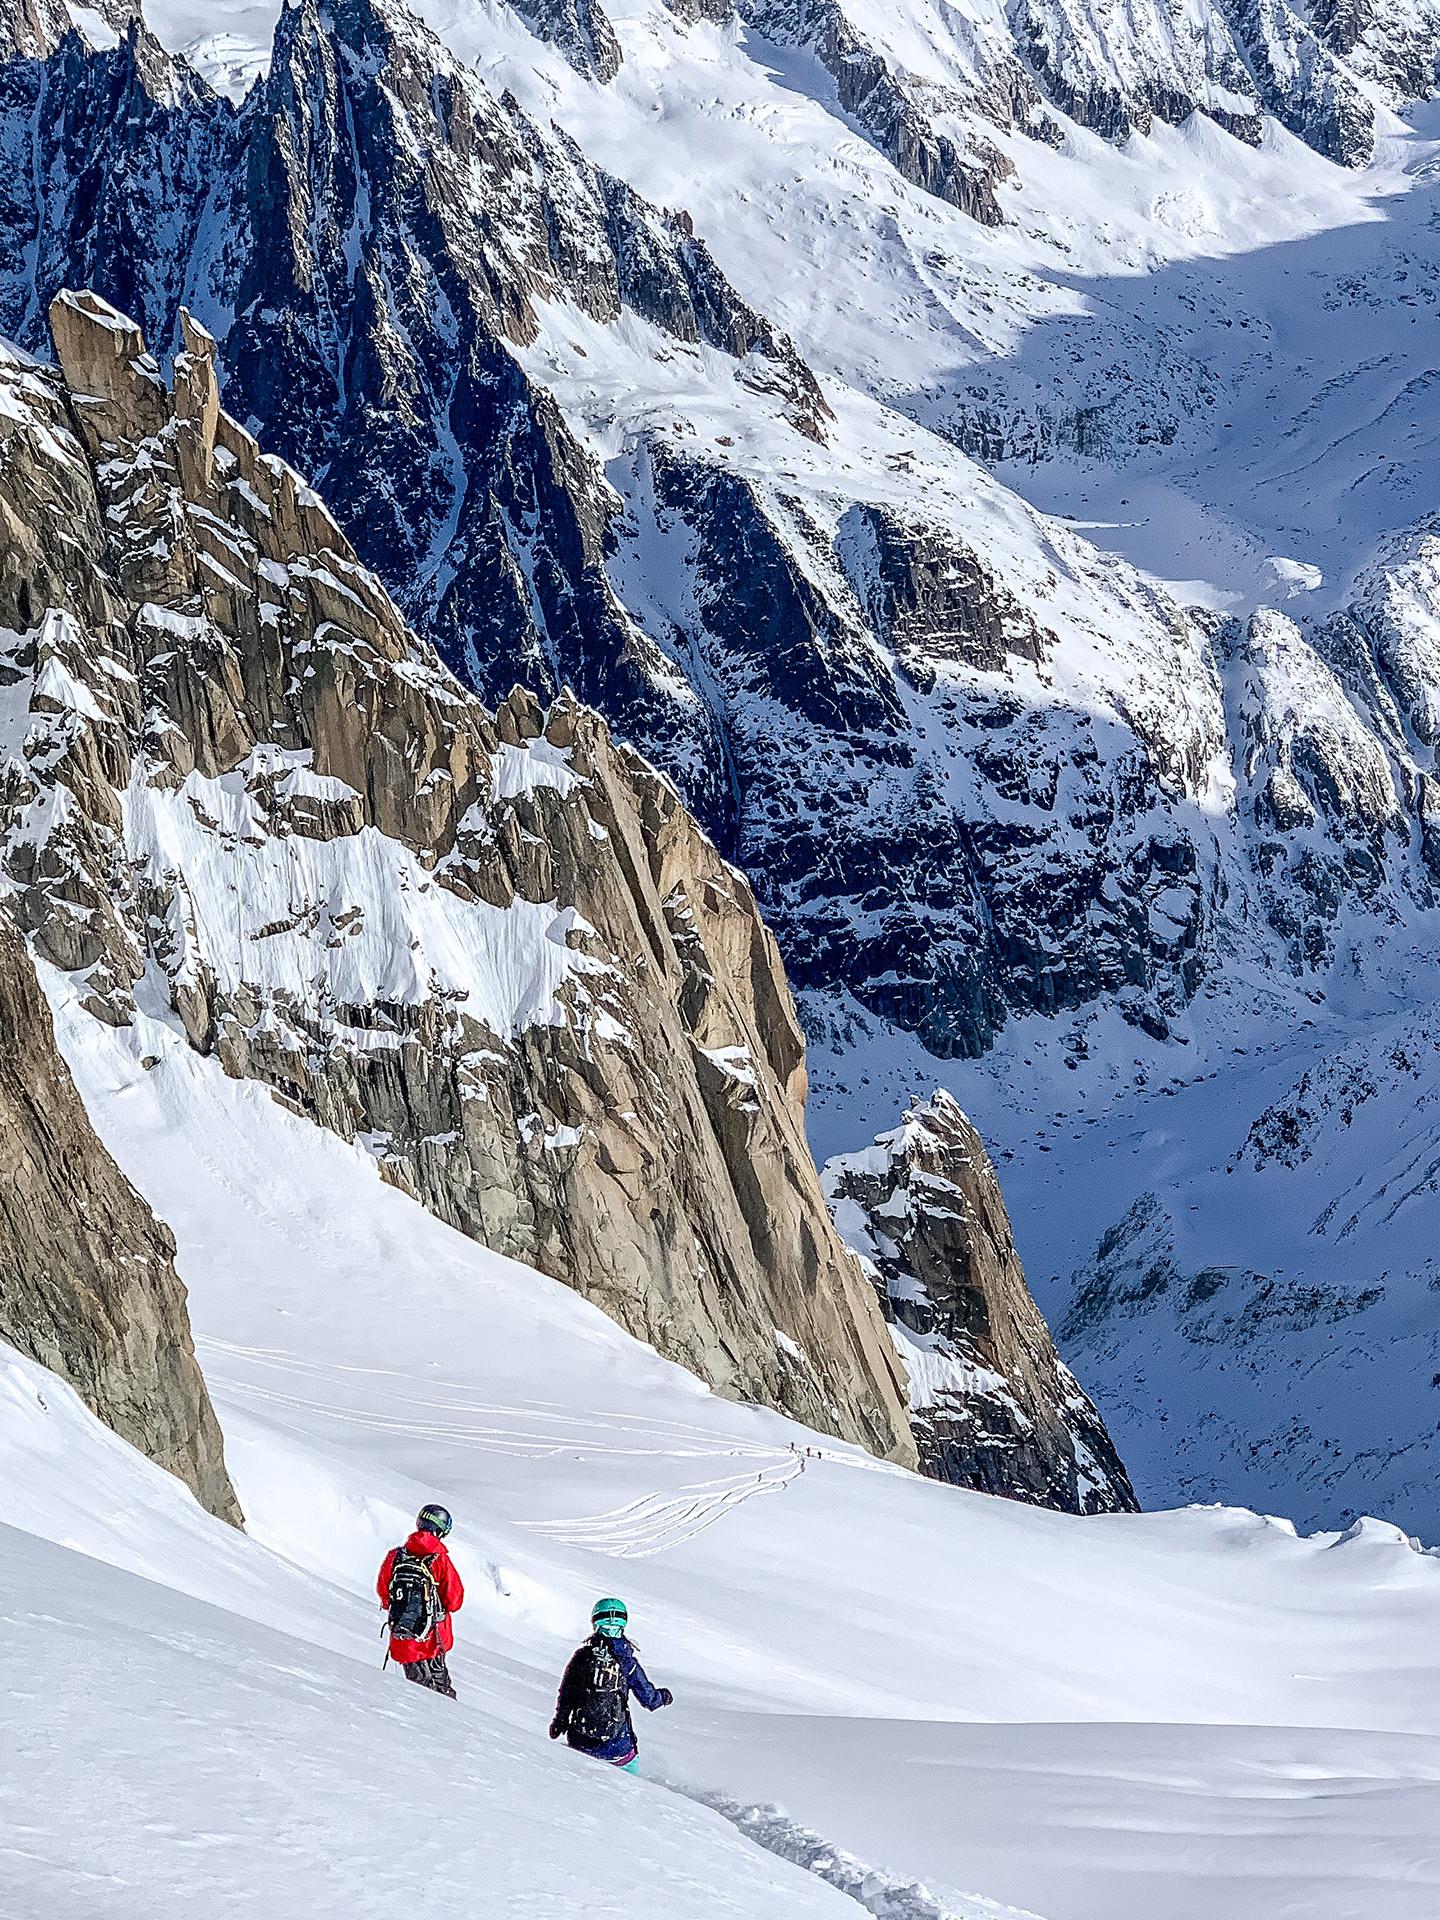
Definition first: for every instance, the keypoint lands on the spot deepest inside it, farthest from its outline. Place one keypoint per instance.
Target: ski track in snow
(659, 1521)
(652, 1524)
(535, 1430)
(879, 1893)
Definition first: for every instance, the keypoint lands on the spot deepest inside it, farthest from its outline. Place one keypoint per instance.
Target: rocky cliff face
(919, 127)
(581, 30)
(494, 947)
(1395, 47)
(389, 254)
(88, 1285)
(972, 767)
(1116, 70)
(994, 1407)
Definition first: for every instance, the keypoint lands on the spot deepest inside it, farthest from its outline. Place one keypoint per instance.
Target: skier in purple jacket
(593, 1710)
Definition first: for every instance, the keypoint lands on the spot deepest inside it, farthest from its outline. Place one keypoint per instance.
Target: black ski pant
(432, 1673)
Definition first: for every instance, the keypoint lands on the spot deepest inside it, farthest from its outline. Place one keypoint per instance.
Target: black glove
(667, 1698)
(556, 1729)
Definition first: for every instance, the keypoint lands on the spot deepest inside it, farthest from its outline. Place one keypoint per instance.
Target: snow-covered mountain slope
(1089, 1720)
(1232, 1239)
(916, 79)
(604, 464)
(1247, 1265)
(703, 464)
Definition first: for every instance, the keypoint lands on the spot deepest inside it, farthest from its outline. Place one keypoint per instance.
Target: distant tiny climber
(419, 1590)
(593, 1711)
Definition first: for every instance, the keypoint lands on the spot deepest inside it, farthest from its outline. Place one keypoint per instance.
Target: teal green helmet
(609, 1617)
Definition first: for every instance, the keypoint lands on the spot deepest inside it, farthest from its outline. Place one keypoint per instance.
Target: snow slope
(168, 1752)
(1246, 1262)
(1162, 1716)
(1237, 333)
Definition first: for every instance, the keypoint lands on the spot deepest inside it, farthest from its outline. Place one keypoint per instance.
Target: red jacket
(452, 1598)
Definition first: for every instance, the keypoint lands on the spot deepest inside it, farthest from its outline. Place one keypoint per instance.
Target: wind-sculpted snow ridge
(493, 947)
(992, 1404)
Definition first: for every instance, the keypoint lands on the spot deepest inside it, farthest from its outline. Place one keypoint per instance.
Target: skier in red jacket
(419, 1590)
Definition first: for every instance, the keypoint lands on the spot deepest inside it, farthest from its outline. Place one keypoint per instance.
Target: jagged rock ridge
(513, 551)
(87, 1276)
(494, 948)
(994, 1407)
(944, 744)
(1116, 70)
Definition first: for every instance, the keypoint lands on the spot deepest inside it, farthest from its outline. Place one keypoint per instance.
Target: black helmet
(434, 1520)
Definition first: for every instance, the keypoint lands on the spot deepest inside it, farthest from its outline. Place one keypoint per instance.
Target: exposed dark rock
(1397, 47)
(581, 30)
(543, 1000)
(1302, 83)
(35, 28)
(716, 11)
(88, 1285)
(1319, 785)
(1136, 1271)
(901, 119)
(1119, 87)
(935, 604)
(994, 1407)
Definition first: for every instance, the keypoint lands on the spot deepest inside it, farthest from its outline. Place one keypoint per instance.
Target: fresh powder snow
(890, 1694)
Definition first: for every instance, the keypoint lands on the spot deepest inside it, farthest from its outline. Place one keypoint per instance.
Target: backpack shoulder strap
(427, 1561)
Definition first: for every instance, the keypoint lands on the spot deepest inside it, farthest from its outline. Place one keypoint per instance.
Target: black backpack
(414, 1604)
(602, 1710)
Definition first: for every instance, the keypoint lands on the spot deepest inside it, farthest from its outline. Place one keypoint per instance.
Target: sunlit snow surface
(1179, 1715)
(1276, 309)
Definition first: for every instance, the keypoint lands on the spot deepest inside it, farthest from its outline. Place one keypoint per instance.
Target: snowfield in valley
(936, 1705)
